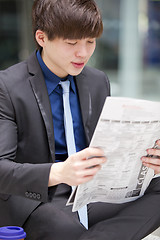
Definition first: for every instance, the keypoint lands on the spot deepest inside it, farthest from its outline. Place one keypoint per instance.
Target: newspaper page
(126, 128)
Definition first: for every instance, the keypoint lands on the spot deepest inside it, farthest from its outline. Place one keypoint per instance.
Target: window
(128, 51)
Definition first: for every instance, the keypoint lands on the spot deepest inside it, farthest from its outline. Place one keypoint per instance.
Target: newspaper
(126, 128)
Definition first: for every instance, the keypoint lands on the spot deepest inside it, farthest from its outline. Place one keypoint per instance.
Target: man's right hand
(79, 168)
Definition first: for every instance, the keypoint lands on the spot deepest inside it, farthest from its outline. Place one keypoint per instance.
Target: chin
(75, 73)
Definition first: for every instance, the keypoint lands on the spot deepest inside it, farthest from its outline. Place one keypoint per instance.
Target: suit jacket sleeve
(17, 178)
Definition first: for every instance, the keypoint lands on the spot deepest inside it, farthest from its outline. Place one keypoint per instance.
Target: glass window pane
(15, 31)
(128, 51)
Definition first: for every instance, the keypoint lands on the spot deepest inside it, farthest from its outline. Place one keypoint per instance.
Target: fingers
(153, 151)
(91, 152)
(89, 158)
(158, 142)
(82, 166)
(88, 171)
(79, 168)
(83, 180)
(94, 161)
(150, 164)
(86, 175)
(152, 160)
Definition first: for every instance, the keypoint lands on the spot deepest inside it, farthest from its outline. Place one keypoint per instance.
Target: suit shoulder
(95, 75)
(14, 73)
(21, 71)
(94, 71)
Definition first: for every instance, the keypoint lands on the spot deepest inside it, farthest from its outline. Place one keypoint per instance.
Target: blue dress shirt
(56, 100)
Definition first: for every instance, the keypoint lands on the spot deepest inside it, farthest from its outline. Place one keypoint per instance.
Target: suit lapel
(85, 101)
(40, 91)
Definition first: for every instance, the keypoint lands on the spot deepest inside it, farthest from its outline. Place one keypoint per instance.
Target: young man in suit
(36, 170)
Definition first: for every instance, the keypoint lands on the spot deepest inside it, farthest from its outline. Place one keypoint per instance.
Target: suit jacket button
(31, 195)
(27, 194)
(38, 196)
(34, 195)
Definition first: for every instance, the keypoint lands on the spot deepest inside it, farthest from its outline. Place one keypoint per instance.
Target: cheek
(92, 50)
(62, 56)
(67, 57)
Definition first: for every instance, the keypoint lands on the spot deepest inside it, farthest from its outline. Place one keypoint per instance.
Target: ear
(40, 37)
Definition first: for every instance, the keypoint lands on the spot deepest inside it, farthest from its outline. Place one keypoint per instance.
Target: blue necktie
(71, 147)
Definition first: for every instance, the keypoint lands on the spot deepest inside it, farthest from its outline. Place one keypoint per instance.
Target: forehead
(60, 39)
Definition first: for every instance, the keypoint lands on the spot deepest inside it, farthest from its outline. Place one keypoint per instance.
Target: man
(36, 168)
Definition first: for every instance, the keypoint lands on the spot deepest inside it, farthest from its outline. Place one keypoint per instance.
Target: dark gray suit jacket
(27, 138)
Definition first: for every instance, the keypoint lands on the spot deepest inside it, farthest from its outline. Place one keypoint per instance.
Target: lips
(78, 65)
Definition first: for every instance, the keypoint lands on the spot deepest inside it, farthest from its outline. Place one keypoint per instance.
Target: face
(65, 57)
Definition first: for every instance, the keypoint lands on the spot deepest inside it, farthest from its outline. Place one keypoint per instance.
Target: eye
(71, 43)
(91, 41)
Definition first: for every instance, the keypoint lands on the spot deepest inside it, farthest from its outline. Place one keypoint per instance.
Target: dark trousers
(129, 221)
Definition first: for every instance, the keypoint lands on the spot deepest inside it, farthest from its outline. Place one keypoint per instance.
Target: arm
(17, 177)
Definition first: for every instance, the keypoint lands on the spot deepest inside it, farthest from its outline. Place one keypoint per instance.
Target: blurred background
(128, 51)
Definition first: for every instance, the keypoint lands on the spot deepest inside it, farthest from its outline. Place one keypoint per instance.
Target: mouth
(78, 65)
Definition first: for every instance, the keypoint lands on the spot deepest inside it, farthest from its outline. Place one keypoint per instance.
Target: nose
(81, 51)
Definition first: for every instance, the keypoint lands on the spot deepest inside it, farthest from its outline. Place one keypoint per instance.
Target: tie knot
(65, 86)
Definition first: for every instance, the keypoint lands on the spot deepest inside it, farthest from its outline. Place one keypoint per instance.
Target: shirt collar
(51, 79)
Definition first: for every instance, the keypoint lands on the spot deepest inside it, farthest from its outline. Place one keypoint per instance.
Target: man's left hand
(152, 159)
